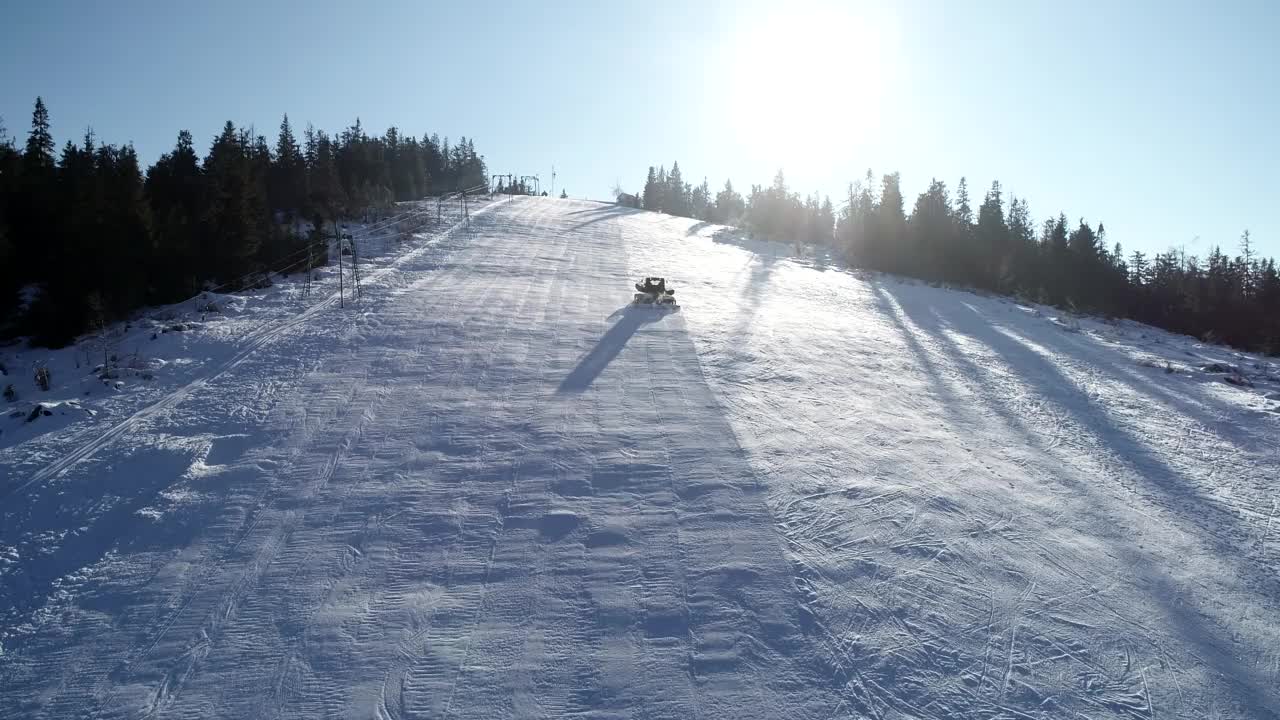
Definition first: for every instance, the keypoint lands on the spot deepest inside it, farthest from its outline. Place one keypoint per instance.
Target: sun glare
(807, 82)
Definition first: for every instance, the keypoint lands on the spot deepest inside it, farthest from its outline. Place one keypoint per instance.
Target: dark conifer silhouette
(998, 249)
(94, 237)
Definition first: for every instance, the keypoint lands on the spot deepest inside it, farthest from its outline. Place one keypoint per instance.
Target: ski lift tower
(496, 177)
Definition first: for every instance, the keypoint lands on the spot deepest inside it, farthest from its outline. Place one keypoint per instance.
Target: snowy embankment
(488, 489)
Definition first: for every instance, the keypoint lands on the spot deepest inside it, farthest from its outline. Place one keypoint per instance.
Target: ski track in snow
(491, 490)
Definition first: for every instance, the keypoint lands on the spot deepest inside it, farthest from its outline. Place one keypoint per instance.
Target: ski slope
(489, 489)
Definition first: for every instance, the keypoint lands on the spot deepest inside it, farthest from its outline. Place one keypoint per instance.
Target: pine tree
(700, 201)
(826, 222)
(231, 238)
(660, 189)
(275, 243)
(1247, 265)
(411, 171)
(729, 205)
(963, 212)
(855, 230)
(1229, 298)
(434, 165)
(108, 241)
(33, 211)
(326, 194)
(126, 231)
(108, 234)
(38, 156)
(10, 164)
(992, 243)
(767, 209)
(288, 179)
(175, 190)
(1137, 269)
(1055, 257)
(1266, 300)
(887, 249)
(928, 231)
(1022, 243)
(675, 195)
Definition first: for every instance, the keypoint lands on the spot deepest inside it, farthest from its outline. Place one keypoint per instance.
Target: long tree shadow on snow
(599, 207)
(919, 325)
(602, 213)
(1188, 395)
(630, 320)
(1050, 383)
(1158, 476)
(754, 291)
(938, 382)
(698, 227)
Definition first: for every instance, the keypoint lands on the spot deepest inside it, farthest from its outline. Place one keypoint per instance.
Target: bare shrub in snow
(44, 378)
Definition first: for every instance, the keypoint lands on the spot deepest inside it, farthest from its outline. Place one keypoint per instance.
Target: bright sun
(807, 82)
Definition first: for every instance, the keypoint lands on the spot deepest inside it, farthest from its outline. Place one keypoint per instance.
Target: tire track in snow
(256, 512)
(218, 622)
(486, 451)
(829, 539)
(312, 691)
(1051, 422)
(419, 669)
(897, 579)
(89, 681)
(254, 340)
(723, 505)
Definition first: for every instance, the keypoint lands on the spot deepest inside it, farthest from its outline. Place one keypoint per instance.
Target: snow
(489, 489)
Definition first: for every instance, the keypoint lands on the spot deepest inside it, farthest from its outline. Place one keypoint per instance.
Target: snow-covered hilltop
(490, 489)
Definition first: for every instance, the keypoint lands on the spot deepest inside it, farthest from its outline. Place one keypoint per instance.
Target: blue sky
(1161, 119)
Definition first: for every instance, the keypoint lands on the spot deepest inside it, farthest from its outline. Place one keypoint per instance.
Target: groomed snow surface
(489, 489)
